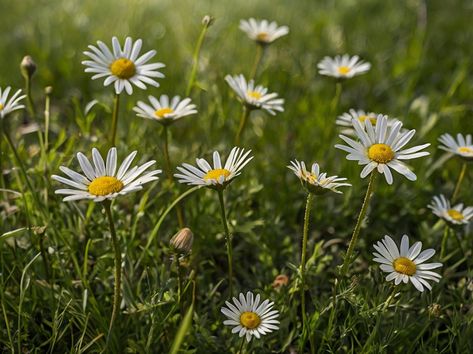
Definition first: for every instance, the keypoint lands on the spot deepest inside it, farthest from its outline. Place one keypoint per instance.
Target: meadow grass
(56, 265)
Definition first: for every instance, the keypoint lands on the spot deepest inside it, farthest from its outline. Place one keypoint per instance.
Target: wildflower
(456, 215)
(263, 32)
(9, 105)
(164, 110)
(462, 147)
(343, 67)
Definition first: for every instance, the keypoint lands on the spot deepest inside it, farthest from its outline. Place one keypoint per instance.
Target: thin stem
(361, 216)
(459, 182)
(389, 299)
(260, 49)
(195, 59)
(47, 115)
(179, 281)
(116, 108)
(244, 117)
(118, 267)
(443, 247)
(242, 343)
(29, 98)
(336, 98)
(2, 180)
(229, 241)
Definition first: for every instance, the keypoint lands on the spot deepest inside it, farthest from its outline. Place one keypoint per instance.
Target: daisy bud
(28, 67)
(182, 241)
(48, 90)
(435, 310)
(280, 281)
(208, 20)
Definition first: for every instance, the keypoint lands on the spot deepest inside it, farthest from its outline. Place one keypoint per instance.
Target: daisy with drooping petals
(343, 67)
(164, 110)
(456, 215)
(380, 147)
(102, 181)
(263, 32)
(249, 317)
(406, 264)
(123, 66)
(462, 147)
(9, 105)
(314, 181)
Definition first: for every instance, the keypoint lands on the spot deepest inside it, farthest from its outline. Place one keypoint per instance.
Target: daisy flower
(314, 181)
(122, 66)
(456, 215)
(255, 97)
(406, 263)
(250, 317)
(9, 105)
(343, 67)
(462, 147)
(263, 32)
(102, 181)
(380, 147)
(163, 110)
(217, 177)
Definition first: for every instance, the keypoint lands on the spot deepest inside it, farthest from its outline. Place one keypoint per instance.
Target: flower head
(216, 177)
(406, 263)
(255, 97)
(182, 241)
(103, 181)
(346, 120)
(262, 31)
(9, 105)
(122, 66)
(314, 181)
(163, 110)
(462, 147)
(456, 215)
(380, 147)
(343, 67)
(249, 317)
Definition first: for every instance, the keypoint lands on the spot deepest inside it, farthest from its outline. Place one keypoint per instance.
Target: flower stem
(260, 49)
(118, 267)
(443, 247)
(116, 107)
(179, 281)
(361, 216)
(459, 182)
(244, 117)
(229, 242)
(29, 98)
(195, 58)
(336, 98)
(242, 343)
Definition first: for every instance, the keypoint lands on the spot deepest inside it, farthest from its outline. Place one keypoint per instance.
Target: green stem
(244, 117)
(336, 98)
(459, 182)
(47, 114)
(29, 98)
(179, 281)
(229, 242)
(242, 343)
(443, 247)
(116, 108)
(2, 180)
(260, 49)
(361, 216)
(195, 59)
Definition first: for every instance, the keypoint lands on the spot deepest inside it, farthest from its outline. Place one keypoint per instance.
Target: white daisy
(217, 177)
(255, 97)
(263, 32)
(380, 148)
(123, 67)
(102, 181)
(315, 181)
(456, 215)
(462, 147)
(250, 317)
(163, 110)
(406, 263)
(9, 105)
(346, 120)
(343, 67)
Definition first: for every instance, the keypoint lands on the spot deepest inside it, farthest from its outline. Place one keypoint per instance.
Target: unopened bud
(28, 67)
(208, 20)
(182, 241)
(435, 310)
(280, 281)
(48, 90)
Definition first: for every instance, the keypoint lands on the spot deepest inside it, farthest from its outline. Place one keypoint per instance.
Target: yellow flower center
(363, 117)
(380, 153)
(1, 106)
(343, 70)
(160, 113)
(461, 150)
(217, 173)
(404, 265)
(123, 68)
(455, 215)
(105, 185)
(250, 320)
(262, 37)
(311, 178)
(255, 95)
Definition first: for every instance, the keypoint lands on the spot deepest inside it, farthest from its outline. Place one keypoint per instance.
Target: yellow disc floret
(405, 266)
(160, 113)
(363, 117)
(105, 185)
(250, 320)
(1, 106)
(461, 150)
(216, 174)
(123, 68)
(255, 95)
(455, 215)
(380, 153)
(262, 37)
(343, 70)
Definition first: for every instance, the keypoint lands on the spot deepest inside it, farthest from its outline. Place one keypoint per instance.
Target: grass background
(421, 57)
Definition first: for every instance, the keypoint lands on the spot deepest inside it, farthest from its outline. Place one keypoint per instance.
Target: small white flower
(123, 67)
(380, 147)
(456, 215)
(249, 317)
(255, 97)
(462, 147)
(263, 31)
(315, 181)
(102, 181)
(343, 67)
(216, 176)
(406, 263)
(163, 110)
(9, 105)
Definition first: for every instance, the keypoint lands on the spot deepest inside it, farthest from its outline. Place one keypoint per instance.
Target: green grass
(56, 265)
